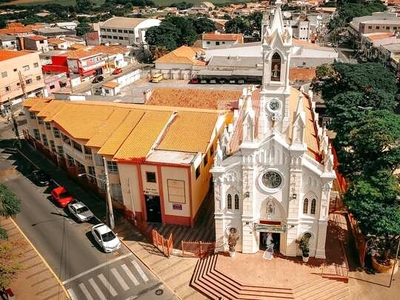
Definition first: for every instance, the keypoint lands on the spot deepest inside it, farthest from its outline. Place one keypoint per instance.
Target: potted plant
(383, 252)
(304, 245)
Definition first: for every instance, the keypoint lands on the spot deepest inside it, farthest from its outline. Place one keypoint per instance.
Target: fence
(359, 240)
(163, 244)
(197, 249)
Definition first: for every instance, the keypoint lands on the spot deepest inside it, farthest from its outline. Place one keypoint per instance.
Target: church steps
(205, 289)
(320, 290)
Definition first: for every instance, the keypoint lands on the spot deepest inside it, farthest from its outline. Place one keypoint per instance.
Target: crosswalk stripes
(121, 281)
(140, 271)
(85, 291)
(124, 277)
(107, 285)
(72, 294)
(97, 289)
(130, 275)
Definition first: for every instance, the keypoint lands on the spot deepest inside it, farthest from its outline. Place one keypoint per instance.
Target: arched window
(305, 206)
(229, 204)
(236, 201)
(276, 67)
(313, 206)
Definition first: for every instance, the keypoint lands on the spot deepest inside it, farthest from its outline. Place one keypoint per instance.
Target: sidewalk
(35, 281)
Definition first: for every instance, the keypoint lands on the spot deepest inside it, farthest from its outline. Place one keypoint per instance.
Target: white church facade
(273, 168)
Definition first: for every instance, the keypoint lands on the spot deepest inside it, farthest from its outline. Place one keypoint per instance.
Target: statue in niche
(276, 73)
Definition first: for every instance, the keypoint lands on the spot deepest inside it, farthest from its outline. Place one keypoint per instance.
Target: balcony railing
(80, 156)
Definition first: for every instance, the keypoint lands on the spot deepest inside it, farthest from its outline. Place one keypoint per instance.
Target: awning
(271, 228)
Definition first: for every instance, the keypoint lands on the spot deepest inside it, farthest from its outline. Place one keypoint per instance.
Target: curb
(151, 269)
(41, 257)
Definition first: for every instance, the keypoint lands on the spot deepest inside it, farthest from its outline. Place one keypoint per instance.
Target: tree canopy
(248, 25)
(83, 28)
(9, 203)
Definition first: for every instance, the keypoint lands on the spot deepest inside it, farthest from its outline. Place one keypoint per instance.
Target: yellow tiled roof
(129, 131)
(82, 120)
(139, 143)
(183, 55)
(32, 101)
(179, 136)
(104, 132)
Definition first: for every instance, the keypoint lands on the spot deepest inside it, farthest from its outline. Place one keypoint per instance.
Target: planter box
(384, 269)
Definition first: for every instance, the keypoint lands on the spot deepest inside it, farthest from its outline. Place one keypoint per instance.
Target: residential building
(54, 32)
(20, 75)
(379, 22)
(180, 63)
(8, 42)
(36, 43)
(158, 158)
(273, 167)
(209, 40)
(55, 83)
(126, 31)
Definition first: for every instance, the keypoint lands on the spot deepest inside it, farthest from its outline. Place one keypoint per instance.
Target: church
(273, 167)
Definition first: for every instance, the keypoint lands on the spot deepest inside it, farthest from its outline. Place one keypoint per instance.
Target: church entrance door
(268, 238)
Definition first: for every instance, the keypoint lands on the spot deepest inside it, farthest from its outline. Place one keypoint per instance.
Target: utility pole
(108, 194)
(21, 80)
(15, 126)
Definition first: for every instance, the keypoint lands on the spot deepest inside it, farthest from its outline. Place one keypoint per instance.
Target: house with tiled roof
(273, 167)
(157, 158)
(215, 39)
(20, 75)
(8, 42)
(36, 43)
(180, 63)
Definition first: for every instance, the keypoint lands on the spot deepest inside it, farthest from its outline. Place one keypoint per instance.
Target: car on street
(98, 79)
(61, 196)
(80, 211)
(117, 71)
(105, 237)
(41, 178)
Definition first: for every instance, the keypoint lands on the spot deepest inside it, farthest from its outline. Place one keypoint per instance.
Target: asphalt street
(68, 246)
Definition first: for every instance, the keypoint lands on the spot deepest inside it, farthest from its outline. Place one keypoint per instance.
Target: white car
(106, 238)
(80, 211)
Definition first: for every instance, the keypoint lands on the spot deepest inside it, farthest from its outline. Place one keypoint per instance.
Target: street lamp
(110, 216)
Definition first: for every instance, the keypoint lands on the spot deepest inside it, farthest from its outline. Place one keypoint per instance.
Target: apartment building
(20, 75)
(36, 42)
(126, 31)
(158, 158)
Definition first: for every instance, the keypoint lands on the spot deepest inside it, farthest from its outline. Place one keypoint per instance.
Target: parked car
(194, 81)
(41, 178)
(98, 79)
(80, 211)
(105, 237)
(61, 196)
(117, 71)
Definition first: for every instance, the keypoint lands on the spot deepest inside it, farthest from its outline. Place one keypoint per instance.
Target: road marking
(95, 268)
(120, 279)
(72, 294)
(130, 275)
(108, 285)
(97, 289)
(140, 271)
(85, 291)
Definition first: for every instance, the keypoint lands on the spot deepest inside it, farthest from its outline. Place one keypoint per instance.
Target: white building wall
(131, 192)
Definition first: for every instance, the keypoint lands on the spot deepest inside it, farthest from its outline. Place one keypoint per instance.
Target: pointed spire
(277, 23)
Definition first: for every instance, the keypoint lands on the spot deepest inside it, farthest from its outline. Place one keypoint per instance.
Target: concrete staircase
(216, 285)
(322, 289)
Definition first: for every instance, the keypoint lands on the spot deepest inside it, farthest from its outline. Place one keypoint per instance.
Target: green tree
(187, 34)
(84, 6)
(236, 25)
(9, 203)
(164, 35)
(204, 25)
(8, 266)
(83, 28)
(373, 202)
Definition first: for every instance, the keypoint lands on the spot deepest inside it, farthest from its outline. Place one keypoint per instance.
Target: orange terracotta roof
(306, 44)
(56, 41)
(10, 54)
(82, 53)
(195, 98)
(182, 55)
(378, 35)
(78, 47)
(111, 84)
(222, 37)
(50, 110)
(112, 50)
(36, 37)
(30, 102)
(302, 74)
